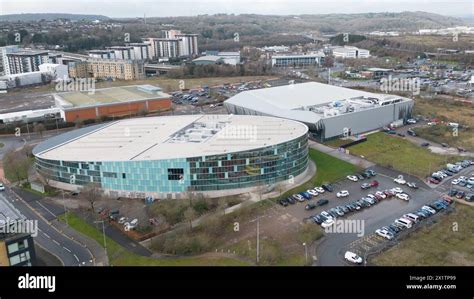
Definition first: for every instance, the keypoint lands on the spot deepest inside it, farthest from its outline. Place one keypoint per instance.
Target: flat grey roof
(170, 137)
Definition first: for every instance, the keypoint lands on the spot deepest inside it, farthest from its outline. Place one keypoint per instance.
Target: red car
(388, 193)
(432, 180)
(374, 183)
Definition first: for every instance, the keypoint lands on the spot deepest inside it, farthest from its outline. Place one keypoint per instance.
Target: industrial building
(111, 102)
(298, 60)
(350, 52)
(166, 157)
(329, 111)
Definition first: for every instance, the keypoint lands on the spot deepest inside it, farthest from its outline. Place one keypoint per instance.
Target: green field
(400, 154)
(329, 169)
(436, 245)
(119, 256)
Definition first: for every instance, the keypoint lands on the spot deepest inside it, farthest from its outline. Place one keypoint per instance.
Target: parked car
(433, 180)
(429, 209)
(353, 258)
(404, 223)
(374, 183)
(306, 195)
(425, 144)
(411, 132)
(326, 215)
(2, 187)
(319, 189)
(283, 202)
(322, 202)
(403, 196)
(412, 185)
(352, 178)
(414, 218)
(299, 197)
(359, 176)
(310, 206)
(328, 187)
(384, 234)
(400, 181)
(411, 121)
(397, 190)
(327, 223)
(342, 193)
(312, 192)
(291, 200)
(365, 186)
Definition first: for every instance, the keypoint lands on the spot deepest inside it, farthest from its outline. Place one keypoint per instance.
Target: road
(68, 251)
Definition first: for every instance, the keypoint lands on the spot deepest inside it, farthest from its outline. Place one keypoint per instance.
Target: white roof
(151, 138)
(289, 101)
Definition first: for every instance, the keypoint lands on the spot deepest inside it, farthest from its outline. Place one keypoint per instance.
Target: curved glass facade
(243, 169)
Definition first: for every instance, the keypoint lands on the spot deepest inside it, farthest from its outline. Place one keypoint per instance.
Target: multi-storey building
(26, 61)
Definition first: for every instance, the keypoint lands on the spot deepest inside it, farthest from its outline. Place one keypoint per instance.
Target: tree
(39, 128)
(92, 193)
(16, 165)
(190, 215)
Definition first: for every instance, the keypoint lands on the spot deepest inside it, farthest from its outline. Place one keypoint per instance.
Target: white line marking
(46, 235)
(45, 208)
(66, 249)
(56, 242)
(77, 259)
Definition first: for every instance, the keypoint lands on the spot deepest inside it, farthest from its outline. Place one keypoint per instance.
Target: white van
(412, 217)
(402, 222)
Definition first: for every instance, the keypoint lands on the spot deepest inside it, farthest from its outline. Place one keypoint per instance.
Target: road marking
(66, 249)
(77, 259)
(46, 209)
(56, 242)
(46, 235)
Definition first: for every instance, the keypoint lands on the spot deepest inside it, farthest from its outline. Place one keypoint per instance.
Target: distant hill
(326, 23)
(28, 17)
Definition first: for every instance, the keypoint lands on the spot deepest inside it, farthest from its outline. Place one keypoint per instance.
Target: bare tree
(39, 128)
(92, 193)
(190, 215)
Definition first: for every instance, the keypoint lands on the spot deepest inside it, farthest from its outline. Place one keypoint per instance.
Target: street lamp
(306, 252)
(65, 210)
(103, 233)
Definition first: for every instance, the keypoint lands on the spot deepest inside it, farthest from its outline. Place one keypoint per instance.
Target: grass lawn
(329, 169)
(436, 245)
(400, 154)
(119, 256)
(1, 145)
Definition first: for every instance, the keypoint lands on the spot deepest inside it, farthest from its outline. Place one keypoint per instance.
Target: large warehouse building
(329, 111)
(166, 156)
(111, 102)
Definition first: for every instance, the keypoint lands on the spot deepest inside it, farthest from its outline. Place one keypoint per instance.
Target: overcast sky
(160, 8)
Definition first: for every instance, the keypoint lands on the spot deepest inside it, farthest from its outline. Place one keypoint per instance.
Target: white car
(384, 234)
(327, 223)
(429, 210)
(326, 215)
(403, 196)
(319, 189)
(397, 190)
(299, 197)
(312, 192)
(381, 194)
(352, 178)
(411, 121)
(471, 181)
(462, 178)
(2, 188)
(353, 258)
(342, 193)
(400, 181)
(122, 220)
(455, 181)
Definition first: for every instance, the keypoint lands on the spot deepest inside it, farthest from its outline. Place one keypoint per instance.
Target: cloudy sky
(159, 8)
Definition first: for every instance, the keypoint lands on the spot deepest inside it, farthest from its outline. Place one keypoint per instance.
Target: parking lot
(331, 250)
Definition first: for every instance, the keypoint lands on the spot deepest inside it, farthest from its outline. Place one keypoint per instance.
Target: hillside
(29, 17)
